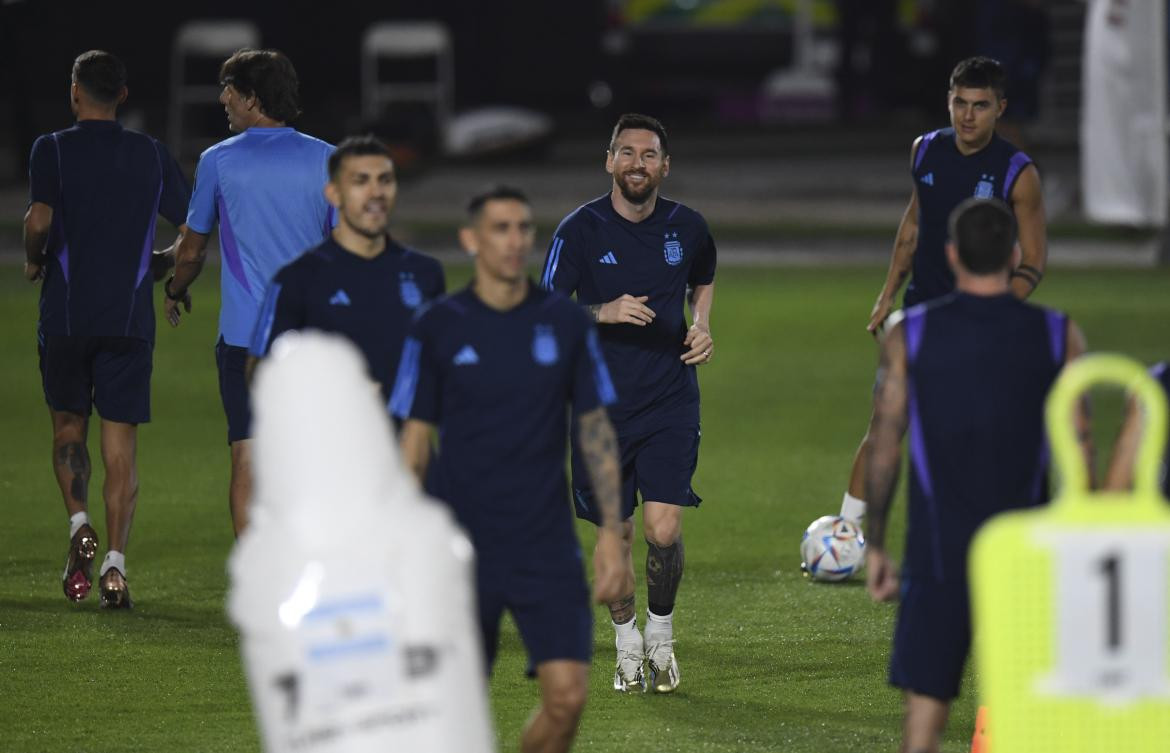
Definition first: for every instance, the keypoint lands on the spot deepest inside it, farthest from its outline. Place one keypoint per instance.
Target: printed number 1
(1111, 567)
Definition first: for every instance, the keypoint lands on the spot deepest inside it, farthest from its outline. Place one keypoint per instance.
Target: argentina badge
(672, 249)
(408, 290)
(544, 345)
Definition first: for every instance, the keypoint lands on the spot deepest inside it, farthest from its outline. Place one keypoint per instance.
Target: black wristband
(1029, 269)
(1027, 276)
(167, 290)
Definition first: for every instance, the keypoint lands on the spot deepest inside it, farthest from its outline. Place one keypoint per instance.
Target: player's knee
(565, 703)
(663, 532)
(67, 429)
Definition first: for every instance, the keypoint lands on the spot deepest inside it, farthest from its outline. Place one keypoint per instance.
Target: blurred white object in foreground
(351, 590)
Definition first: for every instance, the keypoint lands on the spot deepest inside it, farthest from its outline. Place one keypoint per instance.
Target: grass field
(770, 661)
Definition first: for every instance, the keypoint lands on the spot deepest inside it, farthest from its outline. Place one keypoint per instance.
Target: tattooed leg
(71, 463)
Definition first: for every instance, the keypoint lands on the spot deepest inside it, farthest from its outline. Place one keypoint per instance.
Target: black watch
(169, 294)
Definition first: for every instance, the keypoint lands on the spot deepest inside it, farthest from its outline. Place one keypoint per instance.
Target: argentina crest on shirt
(408, 290)
(544, 345)
(985, 188)
(672, 249)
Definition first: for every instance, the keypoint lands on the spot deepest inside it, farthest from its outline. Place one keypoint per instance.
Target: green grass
(770, 661)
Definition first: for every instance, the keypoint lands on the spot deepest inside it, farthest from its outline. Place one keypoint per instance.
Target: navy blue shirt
(370, 301)
(943, 179)
(106, 185)
(979, 371)
(1161, 372)
(497, 383)
(600, 255)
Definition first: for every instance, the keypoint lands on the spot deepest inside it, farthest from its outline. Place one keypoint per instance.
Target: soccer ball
(833, 548)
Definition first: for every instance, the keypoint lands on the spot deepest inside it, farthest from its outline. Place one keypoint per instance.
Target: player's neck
(263, 121)
(89, 112)
(982, 285)
(629, 210)
(498, 294)
(968, 149)
(358, 244)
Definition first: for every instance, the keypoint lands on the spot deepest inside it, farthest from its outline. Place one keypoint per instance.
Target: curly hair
(269, 76)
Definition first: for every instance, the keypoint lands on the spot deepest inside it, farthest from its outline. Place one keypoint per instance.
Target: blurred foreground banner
(1123, 116)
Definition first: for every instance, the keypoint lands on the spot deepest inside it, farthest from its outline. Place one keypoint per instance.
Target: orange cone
(979, 742)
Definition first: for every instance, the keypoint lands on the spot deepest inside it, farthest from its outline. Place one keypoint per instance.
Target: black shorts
(931, 638)
(231, 360)
(551, 610)
(111, 373)
(659, 464)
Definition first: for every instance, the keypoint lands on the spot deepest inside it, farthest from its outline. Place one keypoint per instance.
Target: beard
(637, 195)
(354, 220)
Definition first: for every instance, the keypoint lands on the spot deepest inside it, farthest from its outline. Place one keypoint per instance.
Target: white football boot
(628, 676)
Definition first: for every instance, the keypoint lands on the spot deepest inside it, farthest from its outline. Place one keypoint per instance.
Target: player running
(360, 282)
(264, 187)
(966, 160)
(634, 259)
(492, 368)
(967, 374)
(95, 192)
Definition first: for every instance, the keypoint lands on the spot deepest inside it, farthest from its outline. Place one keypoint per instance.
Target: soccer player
(632, 257)
(492, 367)
(360, 282)
(950, 165)
(95, 192)
(1120, 474)
(967, 374)
(265, 188)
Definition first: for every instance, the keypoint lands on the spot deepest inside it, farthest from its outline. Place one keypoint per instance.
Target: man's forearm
(414, 441)
(598, 444)
(190, 254)
(34, 245)
(702, 296)
(886, 429)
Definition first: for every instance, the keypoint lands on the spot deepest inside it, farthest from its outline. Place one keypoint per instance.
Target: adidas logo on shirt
(609, 258)
(466, 356)
(928, 179)
(339, 298)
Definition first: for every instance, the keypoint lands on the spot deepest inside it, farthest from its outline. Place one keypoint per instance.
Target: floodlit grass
(770, 661)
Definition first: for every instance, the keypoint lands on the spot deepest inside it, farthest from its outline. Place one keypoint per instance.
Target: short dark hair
(267, 74)
(985, 232)
(356, 146)
(640, 122)
(499, 192)
(979, 73)
(101, 75)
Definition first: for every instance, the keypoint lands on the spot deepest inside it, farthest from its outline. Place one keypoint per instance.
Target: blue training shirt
(497, 383)
(600, 255)
(106, 185)
(265, 186)
(979, 371)
(370, 301)
(943, 179)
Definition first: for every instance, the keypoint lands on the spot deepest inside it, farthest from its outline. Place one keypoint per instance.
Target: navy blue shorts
(551, 610)
(111, 373)
(659, 465)
(932, 638)
(231, 361)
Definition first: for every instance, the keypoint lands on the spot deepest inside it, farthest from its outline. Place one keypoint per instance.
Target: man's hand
(33, 272)
(881, 577)
(877, 317)
(608, 568)
(627, 309)
(702, 347)
(171, 305)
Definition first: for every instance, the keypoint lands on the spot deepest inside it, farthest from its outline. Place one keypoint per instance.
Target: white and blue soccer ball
(833, 548)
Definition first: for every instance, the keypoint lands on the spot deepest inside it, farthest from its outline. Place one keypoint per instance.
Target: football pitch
(769, 660)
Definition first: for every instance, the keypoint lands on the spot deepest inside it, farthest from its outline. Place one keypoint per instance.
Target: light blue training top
(266, 188)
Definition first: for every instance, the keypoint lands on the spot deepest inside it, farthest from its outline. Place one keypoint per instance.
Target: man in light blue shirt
(265, 187)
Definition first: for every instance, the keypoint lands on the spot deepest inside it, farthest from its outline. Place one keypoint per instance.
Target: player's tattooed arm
(598, 444)
(37, 222)
(901, 260)
(1028, 207)
(886, 429)
(415, 444)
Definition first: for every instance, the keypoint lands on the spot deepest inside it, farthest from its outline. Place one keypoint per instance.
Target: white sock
(114, 559)
(852, 508)
(626, 633)
(76, 521)
(659, 625)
